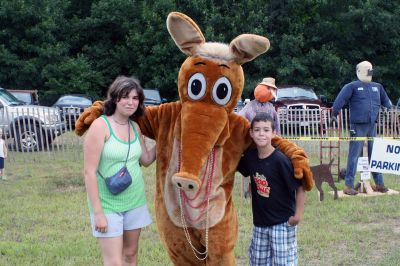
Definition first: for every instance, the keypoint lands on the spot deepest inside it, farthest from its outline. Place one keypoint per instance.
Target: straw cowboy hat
(270, 82)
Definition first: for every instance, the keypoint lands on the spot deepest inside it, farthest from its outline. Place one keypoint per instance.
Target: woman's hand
(100, 223)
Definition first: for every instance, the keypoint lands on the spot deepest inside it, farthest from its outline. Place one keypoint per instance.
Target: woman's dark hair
(121, 87)
(265, 117)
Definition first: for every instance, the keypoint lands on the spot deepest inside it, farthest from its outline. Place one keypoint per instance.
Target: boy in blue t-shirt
(277, 198)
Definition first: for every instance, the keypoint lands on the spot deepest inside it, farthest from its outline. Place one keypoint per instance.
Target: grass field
(44, 221)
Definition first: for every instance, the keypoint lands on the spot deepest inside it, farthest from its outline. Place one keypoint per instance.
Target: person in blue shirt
(364, 98)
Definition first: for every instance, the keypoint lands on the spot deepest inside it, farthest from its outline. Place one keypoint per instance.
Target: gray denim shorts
(123, 221)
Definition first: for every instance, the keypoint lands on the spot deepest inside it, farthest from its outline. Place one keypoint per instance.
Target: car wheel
(28, 138)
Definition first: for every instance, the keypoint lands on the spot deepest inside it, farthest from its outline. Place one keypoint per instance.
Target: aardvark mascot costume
(199, 144)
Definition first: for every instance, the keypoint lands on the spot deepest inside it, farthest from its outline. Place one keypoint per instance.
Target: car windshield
(25, 97)
(74, 100)
(9, 98)
(152, 95)
(295, 92)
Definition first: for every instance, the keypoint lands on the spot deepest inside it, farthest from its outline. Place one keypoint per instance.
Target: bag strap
(129, 141)
(129, 146)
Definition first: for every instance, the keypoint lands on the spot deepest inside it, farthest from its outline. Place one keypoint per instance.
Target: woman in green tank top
(117, 219)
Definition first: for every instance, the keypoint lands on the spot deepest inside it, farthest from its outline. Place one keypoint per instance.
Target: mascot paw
(299, 158)
(301, 167)
(87, 117)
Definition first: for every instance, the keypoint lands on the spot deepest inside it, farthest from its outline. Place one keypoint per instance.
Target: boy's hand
(293, 220)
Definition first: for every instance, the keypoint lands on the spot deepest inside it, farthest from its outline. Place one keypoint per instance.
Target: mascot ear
(246, 47)
(184, 31)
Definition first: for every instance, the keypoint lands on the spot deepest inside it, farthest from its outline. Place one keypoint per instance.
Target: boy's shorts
(123, 221)
(274, 245)
(1, 163)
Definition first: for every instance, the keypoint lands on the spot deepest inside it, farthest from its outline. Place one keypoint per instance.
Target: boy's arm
(300, 200)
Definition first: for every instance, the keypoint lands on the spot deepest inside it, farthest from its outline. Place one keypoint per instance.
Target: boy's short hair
(265, 117)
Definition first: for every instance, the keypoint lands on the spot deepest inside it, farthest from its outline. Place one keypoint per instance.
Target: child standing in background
(3, 155)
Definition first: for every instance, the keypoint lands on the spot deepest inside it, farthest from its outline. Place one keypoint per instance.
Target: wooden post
(365, 187)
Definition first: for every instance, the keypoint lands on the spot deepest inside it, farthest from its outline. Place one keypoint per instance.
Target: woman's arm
(92, 148)
(148, 155)
(5, 149)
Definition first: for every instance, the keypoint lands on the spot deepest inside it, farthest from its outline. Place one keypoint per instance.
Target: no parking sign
(385, 156)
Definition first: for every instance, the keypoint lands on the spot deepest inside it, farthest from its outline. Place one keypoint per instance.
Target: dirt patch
(66, 185)
(69, 188)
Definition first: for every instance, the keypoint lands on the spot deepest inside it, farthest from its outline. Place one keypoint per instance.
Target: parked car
(299, 106)
(32, 127)
(71, 106)
(239, 106)
(153, 97)
(28, 96)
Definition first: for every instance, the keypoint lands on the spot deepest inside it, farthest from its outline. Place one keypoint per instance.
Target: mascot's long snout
(197, 142)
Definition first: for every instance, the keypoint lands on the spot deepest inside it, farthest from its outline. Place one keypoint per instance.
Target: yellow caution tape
(338, 138)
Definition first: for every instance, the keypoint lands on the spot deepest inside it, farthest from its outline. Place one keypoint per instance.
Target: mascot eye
(197, 86)
(222, 91)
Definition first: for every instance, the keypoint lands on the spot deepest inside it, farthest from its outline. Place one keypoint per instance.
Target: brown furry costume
(199, 144)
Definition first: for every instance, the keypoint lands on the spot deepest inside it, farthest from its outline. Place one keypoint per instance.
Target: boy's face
(262, 133)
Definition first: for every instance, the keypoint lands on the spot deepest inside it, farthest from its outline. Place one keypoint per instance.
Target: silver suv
(31, 127)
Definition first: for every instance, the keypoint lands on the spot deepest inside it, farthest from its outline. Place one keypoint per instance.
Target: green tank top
(112, 159)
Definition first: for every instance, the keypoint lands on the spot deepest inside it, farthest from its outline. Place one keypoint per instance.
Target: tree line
(80, 46)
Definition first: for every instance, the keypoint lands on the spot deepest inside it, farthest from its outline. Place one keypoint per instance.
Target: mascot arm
(299, 160)
(158, 119)
(87, 117)
(149, 123)
(239, 127)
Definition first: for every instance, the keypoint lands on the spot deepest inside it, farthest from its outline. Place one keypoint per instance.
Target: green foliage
(74, 75)
(81, 46)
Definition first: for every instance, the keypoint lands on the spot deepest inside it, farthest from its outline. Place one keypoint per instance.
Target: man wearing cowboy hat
(263, 93)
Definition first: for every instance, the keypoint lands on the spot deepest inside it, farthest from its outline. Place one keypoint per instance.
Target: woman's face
(128, 104)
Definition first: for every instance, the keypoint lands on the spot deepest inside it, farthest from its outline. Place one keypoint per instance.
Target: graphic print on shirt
(262, 185)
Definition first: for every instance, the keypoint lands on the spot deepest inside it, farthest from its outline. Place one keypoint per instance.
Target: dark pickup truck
(299, 106)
